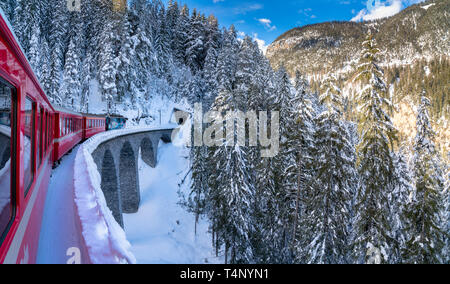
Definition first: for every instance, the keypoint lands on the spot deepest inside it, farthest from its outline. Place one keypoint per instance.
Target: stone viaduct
(117, 161)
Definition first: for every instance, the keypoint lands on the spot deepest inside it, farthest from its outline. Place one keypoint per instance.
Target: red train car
(68, 131)
(93, 124)
(33, 135)
(26, 134)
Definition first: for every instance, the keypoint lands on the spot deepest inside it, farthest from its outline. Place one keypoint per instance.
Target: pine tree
(373, 240)
(34, 54)
(327, 213)
(286, 160)
(144, 62)
(195, 44)
(227, 61)
(57, 47)
(210, 78)
(45, 66)
(302, 140)
(8, 7)
(126, 72)
(71, 86)
(426, 237)
(24, 22)
(400, 195)
(107, 70)
(232, 192)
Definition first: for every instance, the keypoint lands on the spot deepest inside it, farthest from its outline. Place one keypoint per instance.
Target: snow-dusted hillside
(162, 232)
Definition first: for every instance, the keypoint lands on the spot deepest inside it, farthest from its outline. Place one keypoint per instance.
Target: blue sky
(265, 20)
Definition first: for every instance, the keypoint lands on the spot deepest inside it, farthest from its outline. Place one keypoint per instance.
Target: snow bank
(163, 232)
(426, 7)
(105, 240)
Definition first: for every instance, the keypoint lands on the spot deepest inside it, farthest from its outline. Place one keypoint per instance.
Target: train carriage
(115, 122)
(92, 125)
(25, 152)
(33, 135)
(69, 131)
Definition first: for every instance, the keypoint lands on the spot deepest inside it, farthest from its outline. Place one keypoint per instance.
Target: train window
(38, 142)
(44, 134)
(46, 131)
(28, 157)
(6, 197)
(49, 129)
(41, 136)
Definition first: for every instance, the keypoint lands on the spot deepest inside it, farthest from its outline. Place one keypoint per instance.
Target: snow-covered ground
(162, 232)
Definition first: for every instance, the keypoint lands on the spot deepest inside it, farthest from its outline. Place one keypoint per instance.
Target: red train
(33, 136)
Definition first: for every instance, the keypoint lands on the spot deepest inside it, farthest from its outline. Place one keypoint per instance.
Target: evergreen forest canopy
(341, 190)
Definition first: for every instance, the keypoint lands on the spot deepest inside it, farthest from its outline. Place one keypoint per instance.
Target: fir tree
(302, 140)
(71, 87)
(107, 70)
(426, 237)
(400, 200)
(327, 213)
(373, 240)
(34, 54)
(8, 6)
(57, 46)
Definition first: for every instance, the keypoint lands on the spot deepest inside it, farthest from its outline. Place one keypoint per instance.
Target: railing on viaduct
(106, 185)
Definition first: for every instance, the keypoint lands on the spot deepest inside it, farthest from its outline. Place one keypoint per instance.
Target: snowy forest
(341, 190)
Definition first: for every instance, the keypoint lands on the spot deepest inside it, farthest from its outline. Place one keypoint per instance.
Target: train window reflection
(6, 208)
(27, 143)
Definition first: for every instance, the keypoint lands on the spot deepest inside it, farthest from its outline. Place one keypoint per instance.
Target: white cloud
(261, 43)
(376, 9)
(267, 23)
(242, 10)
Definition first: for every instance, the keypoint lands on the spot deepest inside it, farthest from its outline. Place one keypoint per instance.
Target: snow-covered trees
(57, 45)
(317, 201)
(326, 209)
(71, 88)
(400, 200)
(426, 236)
(375, 164)
(8, 7)
(107, 69)
(126, 71)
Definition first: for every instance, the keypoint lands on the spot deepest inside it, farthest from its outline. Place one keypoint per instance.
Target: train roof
(118, 116)
(93, 115)
(66, 110)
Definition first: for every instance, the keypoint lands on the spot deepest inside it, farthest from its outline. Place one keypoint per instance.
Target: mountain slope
(420, 31)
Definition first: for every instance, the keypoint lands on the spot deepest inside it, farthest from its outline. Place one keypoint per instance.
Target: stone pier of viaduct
(117, 161)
